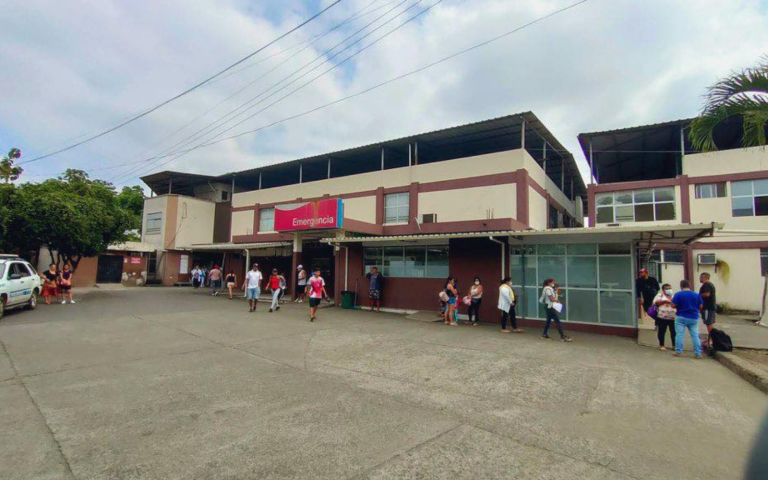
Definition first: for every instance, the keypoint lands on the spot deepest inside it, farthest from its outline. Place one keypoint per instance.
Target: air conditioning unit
(707, 259)
(429, 218)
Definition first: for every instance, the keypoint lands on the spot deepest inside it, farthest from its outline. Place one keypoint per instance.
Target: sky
(73, 69)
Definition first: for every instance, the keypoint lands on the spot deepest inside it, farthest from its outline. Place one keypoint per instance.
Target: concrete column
(292, 279)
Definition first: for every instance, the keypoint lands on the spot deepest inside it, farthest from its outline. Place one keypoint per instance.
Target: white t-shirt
(547, 294)
(302, 277)
(254, 279)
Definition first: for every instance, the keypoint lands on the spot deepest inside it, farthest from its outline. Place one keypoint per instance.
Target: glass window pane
(393, 262)
(644, 213)
(665, 211)
(529, 271)
(372, 258)
(437, 262)
(415, 262)
(704, 191)
(624, 198)
(551, 249)
(582, 249)
(604, 199)
(666, 194)
(742, 206)
(739, 189)
(582, 306)
(615, 249)
(552, 267)
(616, 273)
(617, 308)
(722, 190)
(531, 303)
(582, 272)
(516, 266)
(761, 187)
(761, 206)
(605, 215)
(625, 213)
(643, 196)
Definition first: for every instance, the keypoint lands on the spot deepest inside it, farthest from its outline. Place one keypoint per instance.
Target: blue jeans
(692, 324)
(253, 294)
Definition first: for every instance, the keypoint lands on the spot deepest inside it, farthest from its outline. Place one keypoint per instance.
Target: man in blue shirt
(688, 304)
(375, 287)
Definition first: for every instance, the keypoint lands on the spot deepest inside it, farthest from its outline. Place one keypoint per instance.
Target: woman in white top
(549, 296)
(507, 306)
(475, 300)
(665, 315)
(301, 291)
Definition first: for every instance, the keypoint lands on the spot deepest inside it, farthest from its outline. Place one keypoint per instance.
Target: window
(764, 261)
(711, 190)
(750, 198)
(20, 269)
(266, 220)
(649, 205)
(673, 256)
(414, 261)
(154, 223)
(224, 195)
(396, 207)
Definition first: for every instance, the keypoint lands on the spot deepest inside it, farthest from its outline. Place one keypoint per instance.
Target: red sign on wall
(322, 214)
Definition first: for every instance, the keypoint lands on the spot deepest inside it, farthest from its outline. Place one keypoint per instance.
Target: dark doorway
(317, 255)
(110, 269)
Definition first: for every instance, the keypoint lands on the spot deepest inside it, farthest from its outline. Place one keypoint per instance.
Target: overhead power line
(382, 84)
(185, 92)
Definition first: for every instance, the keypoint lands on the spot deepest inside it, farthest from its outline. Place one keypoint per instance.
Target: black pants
(474, 309)
(511, 315)
(552, 315)
(662, 326)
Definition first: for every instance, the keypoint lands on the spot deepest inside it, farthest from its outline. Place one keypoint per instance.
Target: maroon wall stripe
(380, 206)
(358, 226)
(685, 199)
(591, 213)
(624, 186)
(523, 207)
(730, 177)
(413, 203)
(730, 245)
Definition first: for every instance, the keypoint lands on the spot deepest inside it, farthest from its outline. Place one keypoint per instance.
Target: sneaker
(270, 310)
(566, 338)
(301, 301)
(311, 319)
(545, 337)
(64, 302)
(699, 357)
(72, 302)
(506, 331)
(278, 308)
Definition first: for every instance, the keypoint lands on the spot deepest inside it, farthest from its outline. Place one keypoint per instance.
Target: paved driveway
(173, 384)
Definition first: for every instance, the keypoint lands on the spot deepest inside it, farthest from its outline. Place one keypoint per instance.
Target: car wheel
(32, 303)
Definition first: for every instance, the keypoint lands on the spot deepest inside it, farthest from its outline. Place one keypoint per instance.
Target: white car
(19, 284)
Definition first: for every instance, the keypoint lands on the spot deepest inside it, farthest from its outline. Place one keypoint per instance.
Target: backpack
(721, 341)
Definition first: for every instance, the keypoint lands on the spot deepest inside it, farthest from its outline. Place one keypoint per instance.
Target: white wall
(470, 203)
(360, 208)
(725, 162)
(194, 222)
(242, 222)
(538, 210)
(742, 287)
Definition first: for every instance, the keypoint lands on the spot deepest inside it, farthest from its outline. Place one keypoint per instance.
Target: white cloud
(72, 68)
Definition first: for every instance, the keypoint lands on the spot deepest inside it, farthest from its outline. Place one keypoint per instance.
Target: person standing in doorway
(197, 277)
(450, 290)
(215, 275)
(51, 283)
(317, 292)
(375, 286)
(231, 283)
(65, 284)
(301, 291)
(252, 287)
(274, 288)
(665, 315)
(550, 297)
(709, 311)
(475, 300)
(688, 304)
(646, 288)
(507, 306)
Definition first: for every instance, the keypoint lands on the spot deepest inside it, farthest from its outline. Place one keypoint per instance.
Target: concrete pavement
(168, 383)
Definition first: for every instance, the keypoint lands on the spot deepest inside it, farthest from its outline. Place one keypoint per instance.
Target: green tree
(131, 199)
(8, 171)
(73, 215)
(743, 94)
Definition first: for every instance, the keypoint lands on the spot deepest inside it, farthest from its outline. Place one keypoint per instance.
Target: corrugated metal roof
(215, 247)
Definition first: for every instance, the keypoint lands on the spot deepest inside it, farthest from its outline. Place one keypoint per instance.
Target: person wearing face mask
(475, 300)
(664, 315)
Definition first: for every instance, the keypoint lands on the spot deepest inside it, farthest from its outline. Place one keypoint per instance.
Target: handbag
(467, 300)
(653, 311)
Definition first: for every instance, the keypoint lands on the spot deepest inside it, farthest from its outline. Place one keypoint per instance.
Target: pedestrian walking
(301, 291)
(317, 292)
(197, 277)
(452, 293)
(283, 287)
(274, 287)
(231, 283)
(51, 283)
(375, 286)
(215, 275)
(550, 297)
(708, 294)
(252, 287)
(688, 304)
(475, 300)
(646, 288)
(507, 306)
(664, 314)
(65, 284)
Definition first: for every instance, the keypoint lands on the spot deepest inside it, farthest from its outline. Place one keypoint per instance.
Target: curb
(745, 370)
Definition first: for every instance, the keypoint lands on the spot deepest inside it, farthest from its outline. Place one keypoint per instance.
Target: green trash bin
(347, 299)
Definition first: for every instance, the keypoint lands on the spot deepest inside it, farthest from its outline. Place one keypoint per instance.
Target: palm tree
(8, 171)
(743, 94)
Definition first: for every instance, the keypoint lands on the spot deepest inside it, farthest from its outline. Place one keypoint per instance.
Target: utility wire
(185, 92)
(384, 83)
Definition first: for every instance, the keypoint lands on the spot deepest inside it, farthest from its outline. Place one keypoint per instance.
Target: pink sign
(321, 214)
(135, 259)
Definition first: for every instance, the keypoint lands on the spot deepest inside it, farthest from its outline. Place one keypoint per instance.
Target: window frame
(370, 261)
(752, 195)
(613, 205)
(715, 190)
(397, 218)
(263, 217)
(764, 261)
(152, 219)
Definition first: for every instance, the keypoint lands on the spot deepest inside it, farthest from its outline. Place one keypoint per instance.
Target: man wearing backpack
(709, 311)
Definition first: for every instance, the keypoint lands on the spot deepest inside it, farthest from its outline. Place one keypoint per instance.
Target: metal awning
(678, 233)
(218, 247)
